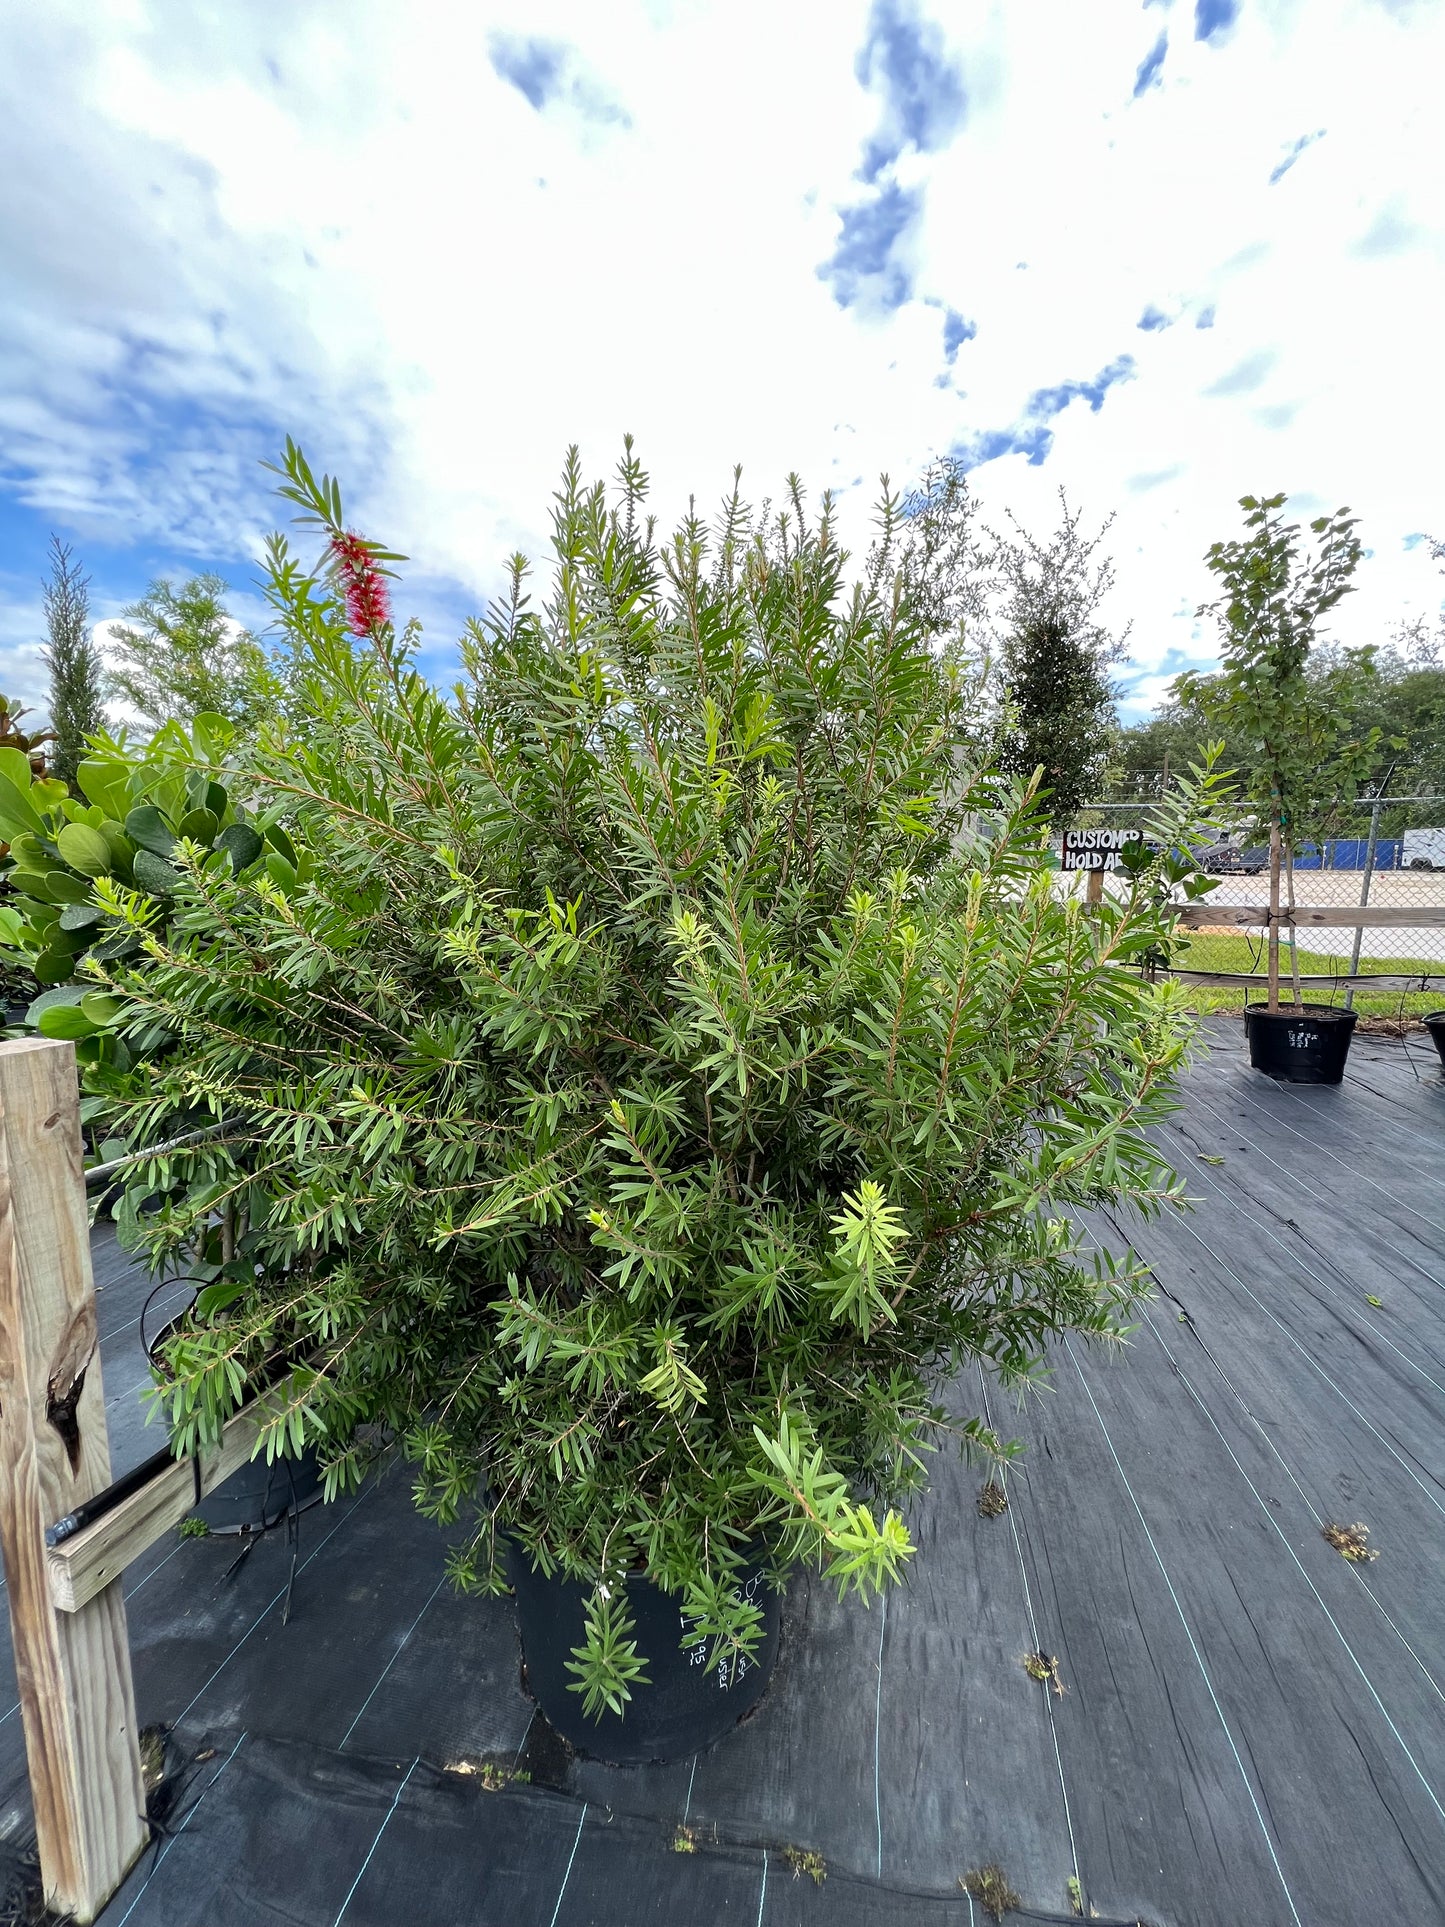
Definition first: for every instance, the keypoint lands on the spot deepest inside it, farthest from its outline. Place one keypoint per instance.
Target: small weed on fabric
(152, 1756)
(989, 1886)
(194, 1528)
(1371, 1299)
(803, 1860)
(492, 1775)
(684, 1840)
(1205, 1158)
(1045, 1666)
(1349, 1542)
(992, 1500)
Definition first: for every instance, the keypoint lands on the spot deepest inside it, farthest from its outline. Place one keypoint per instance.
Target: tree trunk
(1274, 914)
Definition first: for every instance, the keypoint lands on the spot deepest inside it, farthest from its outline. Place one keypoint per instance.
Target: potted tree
(1291, 719)
(666, 1063)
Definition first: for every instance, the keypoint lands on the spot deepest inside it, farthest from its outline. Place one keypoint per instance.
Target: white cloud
(223, 226)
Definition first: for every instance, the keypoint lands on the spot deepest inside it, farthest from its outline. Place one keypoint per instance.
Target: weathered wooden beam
(1379, 980)
(82, 1566)
(73, 1669)
(1255, 916)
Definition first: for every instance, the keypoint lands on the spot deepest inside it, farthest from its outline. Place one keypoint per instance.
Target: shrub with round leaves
(90, 876)
(652, 1070)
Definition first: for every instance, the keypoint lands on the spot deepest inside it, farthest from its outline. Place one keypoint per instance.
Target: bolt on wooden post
(73, 1668)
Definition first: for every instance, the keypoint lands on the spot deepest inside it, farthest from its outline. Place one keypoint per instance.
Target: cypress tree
(1054, 654)
(77, 702)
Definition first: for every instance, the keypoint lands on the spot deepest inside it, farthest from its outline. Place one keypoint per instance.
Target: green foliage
(647, 1075)
(1054, 657)
(81, 881)
(77, 700)
(179, 654)
(1298, 758)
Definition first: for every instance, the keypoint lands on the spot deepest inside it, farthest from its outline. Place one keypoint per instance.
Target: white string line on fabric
(371, 1850)
(1315, 1366)
(763, 1891)
(266, 1609)
(190, 1815)
(1321, 1197)
(1388, 1105)
(568, 1874)
(401, 1648)
(127, 1596)
(1189, 1635)
(1359, 1137)
(1336, 1291)
(1038, 1648)
(1361, 1176)
(1357, 1571)
(1319, 1597)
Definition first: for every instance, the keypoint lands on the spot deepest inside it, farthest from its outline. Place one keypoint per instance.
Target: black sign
(1096, 849)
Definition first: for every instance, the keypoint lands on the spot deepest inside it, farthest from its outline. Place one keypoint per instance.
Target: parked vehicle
(1423, 850)
(1231, 860)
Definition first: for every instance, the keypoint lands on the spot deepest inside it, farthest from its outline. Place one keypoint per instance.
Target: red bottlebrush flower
(363, 583)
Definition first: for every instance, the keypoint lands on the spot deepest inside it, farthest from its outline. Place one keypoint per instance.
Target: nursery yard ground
(1229, 1714)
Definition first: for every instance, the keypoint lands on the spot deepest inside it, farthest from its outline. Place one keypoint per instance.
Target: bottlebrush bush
(669, 1061)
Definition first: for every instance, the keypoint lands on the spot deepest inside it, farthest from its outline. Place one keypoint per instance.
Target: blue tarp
(1349, 853)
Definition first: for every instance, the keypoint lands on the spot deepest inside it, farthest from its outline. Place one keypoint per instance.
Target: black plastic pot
(1434, 1022)
(1300, 1043)
(261, 1496)
(258, 1496)
(687, 1704)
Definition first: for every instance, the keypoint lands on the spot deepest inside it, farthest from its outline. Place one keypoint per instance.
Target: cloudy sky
(1158, 254)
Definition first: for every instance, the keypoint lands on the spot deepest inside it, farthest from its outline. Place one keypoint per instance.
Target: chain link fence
(1383, 854)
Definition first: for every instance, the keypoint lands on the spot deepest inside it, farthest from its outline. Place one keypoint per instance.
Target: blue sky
(1159, 254)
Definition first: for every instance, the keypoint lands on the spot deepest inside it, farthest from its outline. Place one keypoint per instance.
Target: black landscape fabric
(1242, 1723)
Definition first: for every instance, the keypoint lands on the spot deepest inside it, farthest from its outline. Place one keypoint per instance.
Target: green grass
(1207, 952)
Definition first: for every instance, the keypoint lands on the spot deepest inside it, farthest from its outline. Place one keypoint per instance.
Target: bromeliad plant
(673, 1063)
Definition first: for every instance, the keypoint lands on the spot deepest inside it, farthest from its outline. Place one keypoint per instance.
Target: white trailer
(1423, 850)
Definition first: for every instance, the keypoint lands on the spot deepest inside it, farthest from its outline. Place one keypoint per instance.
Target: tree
(1401, 705)
(180, 653)
(1300, 756)
(650, 1071)
(1053, 653)
(77, 696)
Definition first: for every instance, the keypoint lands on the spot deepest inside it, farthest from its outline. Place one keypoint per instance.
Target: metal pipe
(1370, 848)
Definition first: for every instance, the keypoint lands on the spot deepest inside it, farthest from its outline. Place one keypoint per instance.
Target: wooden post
(73, 1669)
(1094, 887)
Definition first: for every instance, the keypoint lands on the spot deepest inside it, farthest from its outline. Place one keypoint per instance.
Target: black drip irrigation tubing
(266, 1609)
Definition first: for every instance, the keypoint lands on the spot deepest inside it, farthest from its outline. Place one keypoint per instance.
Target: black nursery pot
(1301, 1044)
(257, 1496)
(1434, 1022)
(687, 1705)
